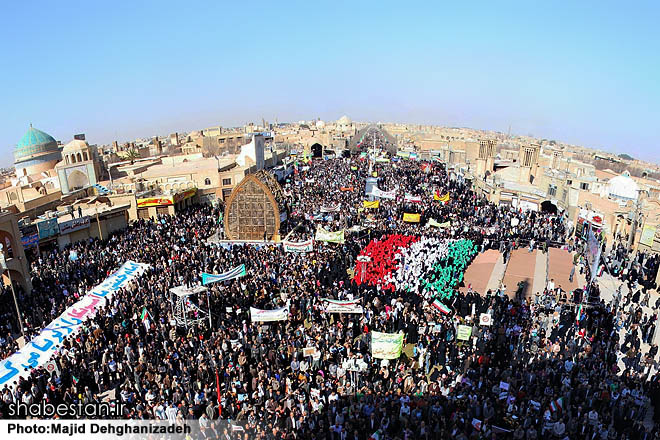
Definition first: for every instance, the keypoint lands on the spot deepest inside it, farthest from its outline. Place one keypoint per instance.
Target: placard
(464, 332)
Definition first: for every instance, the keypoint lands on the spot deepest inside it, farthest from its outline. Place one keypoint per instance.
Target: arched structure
(77, 180)
(549, 207)
(79, 167)
(253, 211)
(373, 135)
(317, 150)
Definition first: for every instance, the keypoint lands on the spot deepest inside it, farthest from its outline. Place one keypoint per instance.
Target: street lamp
(3, 267)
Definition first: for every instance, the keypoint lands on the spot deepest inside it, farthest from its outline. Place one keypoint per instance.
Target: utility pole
(633, 227)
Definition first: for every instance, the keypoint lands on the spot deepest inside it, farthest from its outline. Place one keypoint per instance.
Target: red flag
(217, 389)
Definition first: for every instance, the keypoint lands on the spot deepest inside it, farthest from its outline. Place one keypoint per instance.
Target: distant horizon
(126, 70)
(91, 141)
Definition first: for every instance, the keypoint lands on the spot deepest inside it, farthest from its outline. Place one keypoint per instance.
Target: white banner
(485, 319)
(377, 192)
(412, 199)
(37, 352)
(302, 247)
(331, 208)
(335, 306)
(386, 345)
(258, 315)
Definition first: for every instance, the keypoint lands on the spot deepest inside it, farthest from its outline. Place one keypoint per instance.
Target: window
(552, 190)
(207, 181)
(569, 182)
(584, 186)
(226, 181)
(563, 195)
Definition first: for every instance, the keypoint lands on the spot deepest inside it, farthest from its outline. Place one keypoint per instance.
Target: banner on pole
(377, 192)
(412, 199)
(302, 247)
(259, 315)
(386, 345)
(237, 272)
(411, 218)
(330, 237)
(464, 332)
(335, 306)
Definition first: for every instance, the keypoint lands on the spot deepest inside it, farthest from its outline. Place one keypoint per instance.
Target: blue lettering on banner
(12, 372)
(44, 345)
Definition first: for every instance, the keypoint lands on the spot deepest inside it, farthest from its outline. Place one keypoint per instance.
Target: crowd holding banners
(237, 272)
(335, 306)
(256, 375)
(302, 247)
(411, 218)
(370, 205)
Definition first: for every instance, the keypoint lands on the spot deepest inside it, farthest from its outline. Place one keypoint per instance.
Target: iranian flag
(441, 307)
(557, 404)
(580, 315)
(375, 436)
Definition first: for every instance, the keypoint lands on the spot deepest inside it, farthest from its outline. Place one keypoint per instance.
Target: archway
(77, 179)
(7, 242)
(317, 150)
(549, 207)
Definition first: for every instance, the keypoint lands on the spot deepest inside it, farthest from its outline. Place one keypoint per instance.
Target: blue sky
(581, 72)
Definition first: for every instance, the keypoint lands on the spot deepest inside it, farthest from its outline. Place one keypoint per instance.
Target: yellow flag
(441, 198)
(411, 218)
(367, 204)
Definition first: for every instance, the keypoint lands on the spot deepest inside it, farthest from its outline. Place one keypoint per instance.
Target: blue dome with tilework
(35, 142)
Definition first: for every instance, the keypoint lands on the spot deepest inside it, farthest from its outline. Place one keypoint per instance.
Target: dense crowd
(534, 372)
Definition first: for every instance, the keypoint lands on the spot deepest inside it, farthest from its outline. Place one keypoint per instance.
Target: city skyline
(124, 73)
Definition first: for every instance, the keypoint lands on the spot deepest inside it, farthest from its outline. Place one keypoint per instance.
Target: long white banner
(302, 247)
(335, 306)
(377, 192)
(38, 351)
(259, 315)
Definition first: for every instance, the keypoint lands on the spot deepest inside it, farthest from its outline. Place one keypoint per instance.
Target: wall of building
(16, 263)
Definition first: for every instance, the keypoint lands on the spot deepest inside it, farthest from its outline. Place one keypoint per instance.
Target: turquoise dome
(34, 142)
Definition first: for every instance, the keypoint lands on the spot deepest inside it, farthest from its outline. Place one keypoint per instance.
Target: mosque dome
(75, 145)
(320, 124)
(36, 153)
(344, 120)
(623, 187)
(34, 142)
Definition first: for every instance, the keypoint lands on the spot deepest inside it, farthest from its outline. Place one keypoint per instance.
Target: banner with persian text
(38, 351)
(386, 345)
(259, 315)
(302, 247)
(336, 306)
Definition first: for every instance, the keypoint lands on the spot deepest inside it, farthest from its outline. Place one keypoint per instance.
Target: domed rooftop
(34, 142)
(623, 187)
(75, 145)
(320, 124)
(344, 120)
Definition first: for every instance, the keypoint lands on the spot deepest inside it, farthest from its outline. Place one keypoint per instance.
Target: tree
(625, 156)
(131, 154)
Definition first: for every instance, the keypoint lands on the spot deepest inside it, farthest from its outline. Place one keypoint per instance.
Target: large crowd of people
(536, 371)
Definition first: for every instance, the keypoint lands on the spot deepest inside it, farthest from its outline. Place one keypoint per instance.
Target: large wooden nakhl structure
(254, 207)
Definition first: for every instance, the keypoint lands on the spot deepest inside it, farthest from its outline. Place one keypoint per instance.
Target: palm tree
(131, 155)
